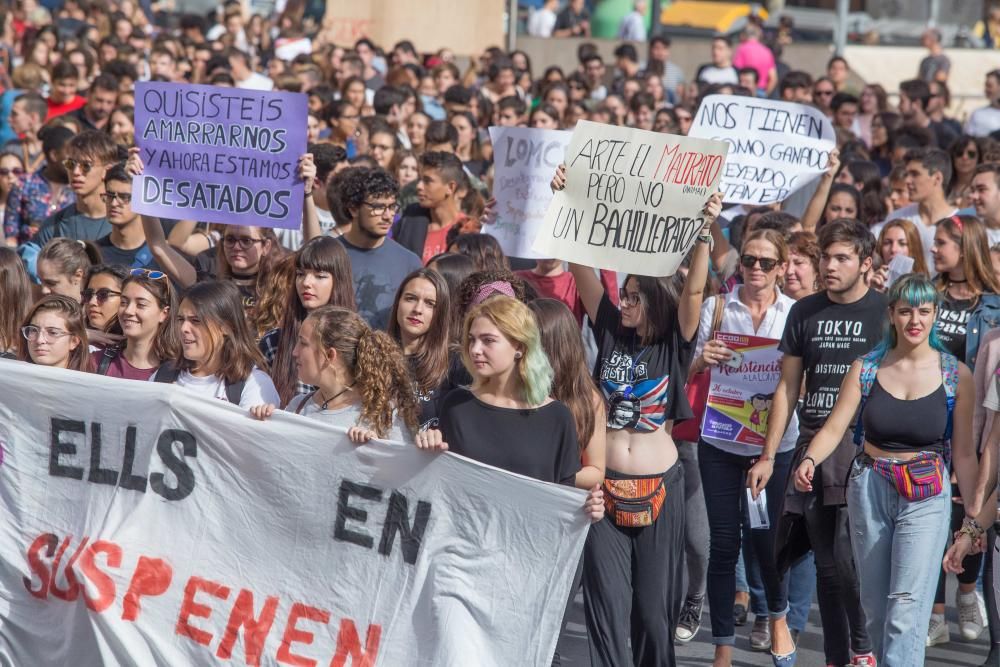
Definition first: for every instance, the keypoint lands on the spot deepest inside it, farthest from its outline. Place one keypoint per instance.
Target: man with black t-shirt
(824, 334)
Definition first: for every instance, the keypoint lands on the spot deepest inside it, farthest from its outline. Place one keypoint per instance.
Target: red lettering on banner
(102, 582)
(255, 629)
(72, 589)
(48, 542)
(152, 577)
(191, 608)
(349, 645)
(294, 635)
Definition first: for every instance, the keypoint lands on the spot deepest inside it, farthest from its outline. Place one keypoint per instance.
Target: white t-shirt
(983, 121)
(259, 388)
(291, 239)
(541, 23)
(346, 417)
(255, 82)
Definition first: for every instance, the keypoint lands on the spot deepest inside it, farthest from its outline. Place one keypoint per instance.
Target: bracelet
(972, 525)
(706, 238)
(809, 458)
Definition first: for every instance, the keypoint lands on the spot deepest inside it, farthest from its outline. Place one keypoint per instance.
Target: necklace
(334, 397)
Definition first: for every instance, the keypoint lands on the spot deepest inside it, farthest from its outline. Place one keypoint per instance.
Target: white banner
(524, 160)
(144, 525)
(775, 147)
(633, 199)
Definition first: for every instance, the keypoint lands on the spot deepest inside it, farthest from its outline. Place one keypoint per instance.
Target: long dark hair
(430, 363)
(660, 299)
(119, 273)
(219, 305)
(72, 312)
(15, 297)
(572, 384)
(322, 254)
(166, 343)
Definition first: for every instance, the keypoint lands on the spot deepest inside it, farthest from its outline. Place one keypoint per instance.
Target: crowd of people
(393, 313)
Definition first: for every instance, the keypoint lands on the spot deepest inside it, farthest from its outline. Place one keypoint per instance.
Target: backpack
(869, 367)
(169, 373)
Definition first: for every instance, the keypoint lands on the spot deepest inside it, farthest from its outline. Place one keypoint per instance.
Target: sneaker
(690, 621)
(864, 660)
(937, 631)
(760, 634)
(970, 620)
(739, 615)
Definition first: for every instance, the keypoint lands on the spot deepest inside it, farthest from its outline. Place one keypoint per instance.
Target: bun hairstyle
(376, 362)
(517, 324)
(70, 256)
(72, 312)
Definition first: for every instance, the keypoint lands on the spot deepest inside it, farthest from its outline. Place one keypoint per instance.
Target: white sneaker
(937, 631)
(970, 619)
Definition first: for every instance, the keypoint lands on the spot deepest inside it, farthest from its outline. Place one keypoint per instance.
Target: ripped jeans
(898, 546)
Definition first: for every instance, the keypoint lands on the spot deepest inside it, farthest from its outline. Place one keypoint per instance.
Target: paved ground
(573, 644)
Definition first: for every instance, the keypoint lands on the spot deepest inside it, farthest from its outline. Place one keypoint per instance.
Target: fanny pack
(634, 503)
(919, 478)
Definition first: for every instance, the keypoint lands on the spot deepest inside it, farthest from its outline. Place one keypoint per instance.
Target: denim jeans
(898, 545)
(748, 575)
(801, 586)
(723, 479)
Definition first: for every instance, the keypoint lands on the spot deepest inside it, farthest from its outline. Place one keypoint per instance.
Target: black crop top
(897, 425)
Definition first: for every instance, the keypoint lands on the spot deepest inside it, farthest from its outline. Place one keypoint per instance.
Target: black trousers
(633, 584)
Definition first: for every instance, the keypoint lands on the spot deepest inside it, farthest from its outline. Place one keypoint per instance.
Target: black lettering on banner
(99, 475)
(59, 447)
(176, 464)
(397, 521)
(345, 511)
(129, 480)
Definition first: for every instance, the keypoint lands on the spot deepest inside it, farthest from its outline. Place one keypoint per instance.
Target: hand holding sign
(630, 200)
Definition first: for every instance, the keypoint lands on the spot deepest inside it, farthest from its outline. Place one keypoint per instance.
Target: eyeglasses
(629, 300)
(102, 294)
(766, 263)
(33, 333)
(70, 164)
(123, 197)
(382, 209)
(244, 242)
(146, 273)
(17, 171)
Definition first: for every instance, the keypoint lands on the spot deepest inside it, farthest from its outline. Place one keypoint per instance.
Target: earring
(517, 355)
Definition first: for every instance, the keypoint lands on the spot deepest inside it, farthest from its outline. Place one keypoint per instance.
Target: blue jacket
(985, 316)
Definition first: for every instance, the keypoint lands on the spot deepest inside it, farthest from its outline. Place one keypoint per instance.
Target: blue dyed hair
(914, 290)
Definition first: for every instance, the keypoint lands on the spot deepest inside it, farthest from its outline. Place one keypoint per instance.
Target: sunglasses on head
(146, 273)
(102, 294)
(17, 171)
(766, 263)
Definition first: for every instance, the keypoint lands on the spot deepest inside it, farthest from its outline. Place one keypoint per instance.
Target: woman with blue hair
(915, 419)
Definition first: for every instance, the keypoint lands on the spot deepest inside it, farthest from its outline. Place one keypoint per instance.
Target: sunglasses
(146, 273)
(102, 294)
(766, 263)
(17, 171)
(244, 242)
(123, 197)
(70, 165)
(825, 93)
(972, 155)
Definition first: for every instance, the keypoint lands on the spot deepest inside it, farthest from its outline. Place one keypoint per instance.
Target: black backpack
(167, 373)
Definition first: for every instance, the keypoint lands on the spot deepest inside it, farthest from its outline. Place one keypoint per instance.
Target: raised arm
(310, 216)
(814, 211)
(689, 306)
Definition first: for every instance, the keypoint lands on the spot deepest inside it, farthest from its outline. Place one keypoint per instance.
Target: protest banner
(222, 155)
(775, 147)
(146, 525)
(741, 391)
(633, 199)
(524, 160)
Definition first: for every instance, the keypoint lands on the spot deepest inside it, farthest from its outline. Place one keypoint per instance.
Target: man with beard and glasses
(824, 334)
(378, 264)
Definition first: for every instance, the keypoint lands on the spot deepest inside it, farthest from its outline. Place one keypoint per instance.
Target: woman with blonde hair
(901, 237)
(362, 382)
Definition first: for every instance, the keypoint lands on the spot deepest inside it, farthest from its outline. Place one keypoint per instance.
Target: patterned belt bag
(633, 503)
(920, 477)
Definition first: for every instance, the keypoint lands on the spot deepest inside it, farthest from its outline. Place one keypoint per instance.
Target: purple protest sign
(217, 154)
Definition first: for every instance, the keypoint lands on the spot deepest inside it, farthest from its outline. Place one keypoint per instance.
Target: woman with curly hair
(362, 382)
